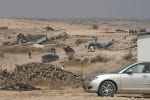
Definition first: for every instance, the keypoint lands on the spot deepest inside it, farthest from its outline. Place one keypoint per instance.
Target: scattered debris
(38, 46)
(62, 35)
(48, 28)
(105, 44)
(143, 30)
(95, 43)
(19, 87)
(49, 58)
(68, 50)
(121, 30)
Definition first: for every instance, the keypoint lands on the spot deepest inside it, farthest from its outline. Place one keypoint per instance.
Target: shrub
(128, 56)
(86, 60)
(99, 58)
(73, 58)
(1, 55)
(95, 26)
(79, 41)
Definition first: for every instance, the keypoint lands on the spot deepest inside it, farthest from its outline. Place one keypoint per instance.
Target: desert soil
(64, 94)
(77, 30)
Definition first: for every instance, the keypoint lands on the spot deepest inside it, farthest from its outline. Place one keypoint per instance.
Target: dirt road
(63, 94)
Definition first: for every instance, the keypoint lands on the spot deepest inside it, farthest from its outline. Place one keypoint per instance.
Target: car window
(147, 69)
(139, 68)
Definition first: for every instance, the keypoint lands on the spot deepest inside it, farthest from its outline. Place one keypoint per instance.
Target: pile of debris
(99, 44)
(29, 38)
(62, 35)
(38, 72)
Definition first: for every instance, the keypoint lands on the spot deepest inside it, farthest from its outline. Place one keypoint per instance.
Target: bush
(95, 26)
(73, 58)
(128, 56)
(86, 60)
(79, 41)
(1, 55)
(99, 58)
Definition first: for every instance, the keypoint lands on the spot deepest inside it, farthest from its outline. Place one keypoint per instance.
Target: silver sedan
(134, 78)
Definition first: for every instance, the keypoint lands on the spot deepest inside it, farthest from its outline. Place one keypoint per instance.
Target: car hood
(97, 74)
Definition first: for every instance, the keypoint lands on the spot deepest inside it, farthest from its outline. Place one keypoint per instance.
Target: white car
(134, 78)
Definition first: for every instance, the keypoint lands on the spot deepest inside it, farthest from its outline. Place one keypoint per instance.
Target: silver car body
(124, 82)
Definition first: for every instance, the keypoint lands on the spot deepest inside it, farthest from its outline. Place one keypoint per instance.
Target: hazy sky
(75, 8)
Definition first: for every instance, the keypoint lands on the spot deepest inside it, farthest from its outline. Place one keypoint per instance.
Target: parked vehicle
(133, 78)
(49, 57)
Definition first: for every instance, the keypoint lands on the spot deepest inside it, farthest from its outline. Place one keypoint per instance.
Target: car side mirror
(129, 71)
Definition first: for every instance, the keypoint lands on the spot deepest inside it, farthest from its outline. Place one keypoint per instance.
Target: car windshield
(120, 68)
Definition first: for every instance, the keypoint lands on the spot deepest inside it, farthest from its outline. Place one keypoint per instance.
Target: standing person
(54, 51)
(30, 55)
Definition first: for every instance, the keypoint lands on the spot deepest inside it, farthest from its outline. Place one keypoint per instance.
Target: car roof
(142, 62)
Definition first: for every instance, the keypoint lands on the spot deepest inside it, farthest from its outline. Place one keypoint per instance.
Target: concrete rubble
(38, 72)
(62, 35)
(29, 38)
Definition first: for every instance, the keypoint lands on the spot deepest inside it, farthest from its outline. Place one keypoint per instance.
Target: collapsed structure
(99, 44)
(62, 35)
(29, 38)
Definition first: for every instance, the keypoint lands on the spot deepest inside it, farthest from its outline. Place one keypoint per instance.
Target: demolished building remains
(29, 38)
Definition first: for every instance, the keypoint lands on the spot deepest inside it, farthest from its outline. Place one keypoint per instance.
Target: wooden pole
(82, 70)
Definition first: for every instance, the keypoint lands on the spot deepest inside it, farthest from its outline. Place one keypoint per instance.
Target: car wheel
(107, 88)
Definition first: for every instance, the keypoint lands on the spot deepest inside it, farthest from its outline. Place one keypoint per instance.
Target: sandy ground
(64, 94)
(76, 31)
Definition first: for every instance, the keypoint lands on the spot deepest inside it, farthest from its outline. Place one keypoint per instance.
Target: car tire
(107, 88)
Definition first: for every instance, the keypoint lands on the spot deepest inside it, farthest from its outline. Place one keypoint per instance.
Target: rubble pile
(62, 35)
(38, 72)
